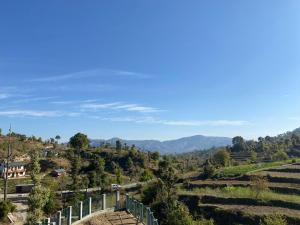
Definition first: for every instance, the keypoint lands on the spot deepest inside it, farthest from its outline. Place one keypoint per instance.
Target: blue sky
(150, 69)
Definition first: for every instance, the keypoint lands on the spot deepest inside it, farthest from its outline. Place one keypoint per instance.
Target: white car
(115, 187)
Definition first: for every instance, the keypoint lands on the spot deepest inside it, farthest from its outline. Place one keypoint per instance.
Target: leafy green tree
(57, 138)
(179, 215)
(39, 196)
(146, 175)
(129, 164)
(253, 156)
(221, 158)
(152, 192)
(167, 174)
(79, 141)
(118, 173)
(35, 168)
(238, 144)
(208, 169)
(155, 155)
(280, 155)
(52, 205)
(75, 177)
(100, 177)
(5, 208)
(118, 145)
(37, 200)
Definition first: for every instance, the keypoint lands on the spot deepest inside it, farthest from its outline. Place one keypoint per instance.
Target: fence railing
(82, 209)
(97, 203)
(141, 212)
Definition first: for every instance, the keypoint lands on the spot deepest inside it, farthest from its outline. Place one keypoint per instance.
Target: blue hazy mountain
(186, 144)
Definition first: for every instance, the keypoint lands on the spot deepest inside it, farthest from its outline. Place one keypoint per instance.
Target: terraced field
(236, 198)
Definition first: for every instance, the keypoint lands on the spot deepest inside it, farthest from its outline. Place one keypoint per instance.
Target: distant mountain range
(182, 145)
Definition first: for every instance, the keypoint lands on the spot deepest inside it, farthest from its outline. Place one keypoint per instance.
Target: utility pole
(9, 154)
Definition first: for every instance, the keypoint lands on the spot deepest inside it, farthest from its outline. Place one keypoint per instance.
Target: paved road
(25, 195)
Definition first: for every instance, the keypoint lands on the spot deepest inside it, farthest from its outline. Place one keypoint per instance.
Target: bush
(274, 219)
(280, 155)
(5, 208)
(146, 175)
(221, 158)
(208, 170)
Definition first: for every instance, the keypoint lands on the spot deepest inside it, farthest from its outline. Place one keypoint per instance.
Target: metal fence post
(90, 205)
(118, 200)
(148, 216)
(70, 216)
(127, 202)
(103, 201)
(141, 212)
(134, 208)
(80, 210)
(59, 218)
(152, 218)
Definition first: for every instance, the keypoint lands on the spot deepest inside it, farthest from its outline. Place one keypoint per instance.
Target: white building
(15, 169)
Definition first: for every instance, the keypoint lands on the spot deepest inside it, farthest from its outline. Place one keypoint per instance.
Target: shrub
(280, 155)
(259, 184)
(5, 208)
(274, 219)
(221, 158)
(146, 175)
(208, 170)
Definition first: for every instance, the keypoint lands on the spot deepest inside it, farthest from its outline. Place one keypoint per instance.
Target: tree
(118, 174)
(57, 138)
(280, 155)
(274, 219)
(179, 215)
(208, 169)
(118, 145)
(100, 177)
(39, 196)
(129, 164)
(37, 200)
(146, 175)
(253, 156)
(167, 174)
(155, 155)
(259, 184)
(5, 208)
(79, 141)
(35, 168)
(7, 161)
(75, 172)
(221, 158)
(238, 144)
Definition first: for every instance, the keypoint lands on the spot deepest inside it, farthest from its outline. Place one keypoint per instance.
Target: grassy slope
(233, 171)
(243, 192)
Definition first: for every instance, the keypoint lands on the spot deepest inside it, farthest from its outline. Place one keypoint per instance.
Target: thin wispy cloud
(91, 73)
(29, 113)
(197, 123)
(120, 106)
(4, 96)
(34, 99)
(37, 113)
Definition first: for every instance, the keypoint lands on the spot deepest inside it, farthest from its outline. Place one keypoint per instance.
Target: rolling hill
(186, 144)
